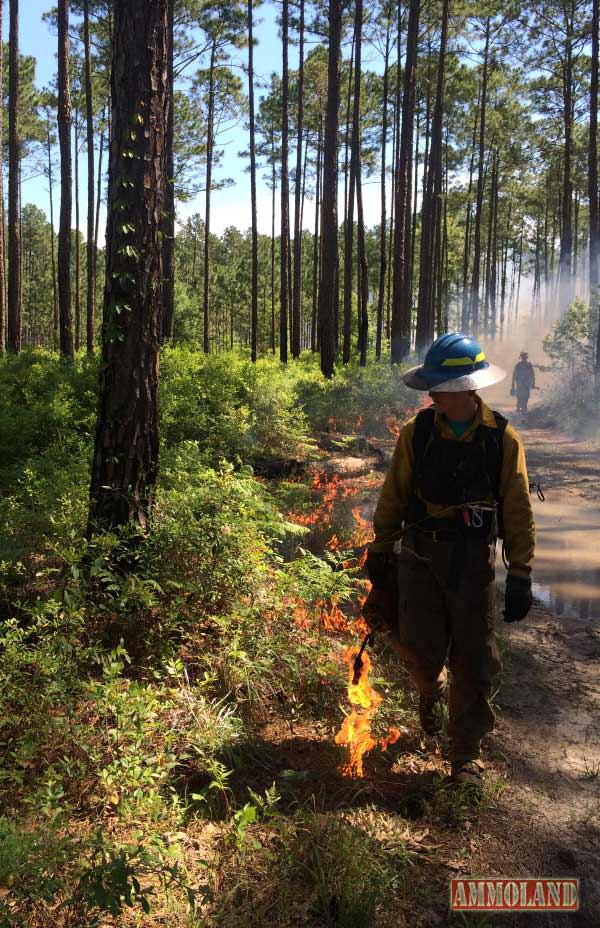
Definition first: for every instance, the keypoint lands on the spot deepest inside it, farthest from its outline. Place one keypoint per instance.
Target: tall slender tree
(125, 462)
(297, 288)
(328, 279)
(383, 223)
(284, 241)
(254, 309)
(15, 295)
(64, 137)
(594, 212)
(480, 180)
(2, 275)
(431, 215)
(401, 298)
(90, 244)
(169, 214)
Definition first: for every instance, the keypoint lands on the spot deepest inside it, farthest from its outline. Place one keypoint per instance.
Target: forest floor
(541, 811)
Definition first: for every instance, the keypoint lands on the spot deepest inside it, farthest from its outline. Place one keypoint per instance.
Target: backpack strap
(423, 433)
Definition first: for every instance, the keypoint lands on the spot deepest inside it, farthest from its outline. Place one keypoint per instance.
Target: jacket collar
(483, 416)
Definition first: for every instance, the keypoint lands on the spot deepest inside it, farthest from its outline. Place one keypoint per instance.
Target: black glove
(518, 599)
(380, 606)
(379, 566)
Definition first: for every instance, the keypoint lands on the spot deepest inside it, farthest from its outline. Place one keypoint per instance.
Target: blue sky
(231, 206)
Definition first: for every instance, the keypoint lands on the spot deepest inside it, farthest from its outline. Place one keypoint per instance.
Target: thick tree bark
(125, 462)
(480, 185)
(64, 228)
(15, 296)
(90, 315)
(328, 281)
(401, 300)
(169, 215)
(285, 193)
(594, 214)
(383, 229)
(210, 141)
(431, 215)
(297, 289)
(254, 295)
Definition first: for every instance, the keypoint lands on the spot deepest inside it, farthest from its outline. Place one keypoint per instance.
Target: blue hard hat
(454, 362)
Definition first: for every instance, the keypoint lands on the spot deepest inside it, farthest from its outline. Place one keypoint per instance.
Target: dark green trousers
(446, 613)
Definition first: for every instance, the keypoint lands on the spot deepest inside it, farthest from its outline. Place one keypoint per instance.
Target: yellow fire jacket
(519, 527)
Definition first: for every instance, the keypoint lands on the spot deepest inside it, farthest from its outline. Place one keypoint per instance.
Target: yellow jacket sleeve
(395, 492)
(519, 527)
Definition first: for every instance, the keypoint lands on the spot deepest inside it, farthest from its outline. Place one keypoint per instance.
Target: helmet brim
(416, 379)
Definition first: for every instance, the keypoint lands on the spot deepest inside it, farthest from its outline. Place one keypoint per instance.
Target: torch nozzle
(358, 660)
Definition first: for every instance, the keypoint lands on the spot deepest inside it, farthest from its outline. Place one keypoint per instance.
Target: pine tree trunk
(125, 462)
(77, 243)
(401, 300)
(254, 307)
(355, 167)
(383, 230)
(316, 247)
(90, 315)
(566, 236)
(14, 335)
(285, 195)
(64, 228)
(466, 302)
(274, 194)
(55, 321)
(2, 243)
(494, 246)
(480, 186)
(394, 180)
(328, 281)
(296, 297)
(98, 202)
(349, 223)
(431, 215)
(169, 215)
(210, 141)
(594, 211)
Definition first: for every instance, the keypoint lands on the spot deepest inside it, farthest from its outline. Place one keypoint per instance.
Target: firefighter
(458, 470)
(523, 381)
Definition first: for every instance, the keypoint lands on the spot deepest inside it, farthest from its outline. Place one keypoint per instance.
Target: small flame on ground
(363, 533)
(332, 617)
(394, 426)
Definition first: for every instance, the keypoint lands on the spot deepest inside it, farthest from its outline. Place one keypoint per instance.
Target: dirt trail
(548, 735)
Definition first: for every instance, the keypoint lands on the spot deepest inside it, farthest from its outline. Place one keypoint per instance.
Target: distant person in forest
(523, 381)
(457, 473)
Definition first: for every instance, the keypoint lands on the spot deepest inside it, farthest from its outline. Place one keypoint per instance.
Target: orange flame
(301, 615)
(332, 618)
(363, 533)
(391, 738)
(355, 732)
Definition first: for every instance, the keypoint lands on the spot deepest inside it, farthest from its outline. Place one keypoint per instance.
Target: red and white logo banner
(550, 894)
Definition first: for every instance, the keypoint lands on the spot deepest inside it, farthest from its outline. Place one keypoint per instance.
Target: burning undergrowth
(342, 619)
